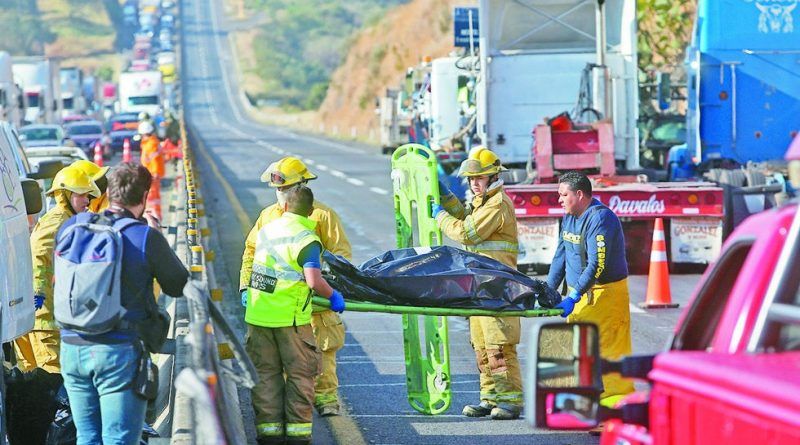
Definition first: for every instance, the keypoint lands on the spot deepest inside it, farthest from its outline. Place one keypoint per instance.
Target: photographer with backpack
(104, 303)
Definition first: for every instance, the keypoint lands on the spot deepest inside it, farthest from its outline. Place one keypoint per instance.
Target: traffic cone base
(658, 289)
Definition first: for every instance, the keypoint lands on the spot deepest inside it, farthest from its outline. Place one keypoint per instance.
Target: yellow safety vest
(278, 293)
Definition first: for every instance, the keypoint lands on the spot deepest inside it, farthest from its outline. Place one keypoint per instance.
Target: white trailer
(71, 80)
(10, 95)
(41, 88)
(141, 91)
(447, 114)
(538, 56)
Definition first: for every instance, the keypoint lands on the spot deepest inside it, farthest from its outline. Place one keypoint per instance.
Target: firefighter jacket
(487, 226)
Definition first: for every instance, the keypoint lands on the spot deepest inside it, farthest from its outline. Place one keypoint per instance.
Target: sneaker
(482, 409)
(328, 410)
(506, 412)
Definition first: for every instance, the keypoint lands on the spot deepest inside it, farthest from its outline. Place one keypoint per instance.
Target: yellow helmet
(480, 162)
(91, 169)
(285, 172)
(74, 180)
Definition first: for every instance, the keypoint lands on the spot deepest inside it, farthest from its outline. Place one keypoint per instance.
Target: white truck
(71, 80)
(540, 58)
(10, 95)
(141, 91)
(449, 113)
(41, 89)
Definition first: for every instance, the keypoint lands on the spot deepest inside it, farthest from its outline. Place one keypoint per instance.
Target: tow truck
(732, 371)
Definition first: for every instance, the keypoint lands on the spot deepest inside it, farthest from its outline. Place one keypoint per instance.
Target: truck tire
(735, 178)
(755, 178)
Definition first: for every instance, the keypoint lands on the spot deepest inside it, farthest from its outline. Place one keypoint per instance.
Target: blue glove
(568, 304)
(435, 209)
(38, 301)
(337, 302)
(245, 293)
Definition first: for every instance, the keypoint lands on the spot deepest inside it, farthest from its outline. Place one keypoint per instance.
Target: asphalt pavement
(232, 151)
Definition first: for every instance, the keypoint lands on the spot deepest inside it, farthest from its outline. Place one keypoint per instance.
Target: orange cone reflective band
(126, 151)
(658, 291)
(98, 154)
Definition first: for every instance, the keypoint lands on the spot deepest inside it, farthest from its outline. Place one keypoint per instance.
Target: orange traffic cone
(98, 154)
(658, 293)
(126, 151)
(154, 198)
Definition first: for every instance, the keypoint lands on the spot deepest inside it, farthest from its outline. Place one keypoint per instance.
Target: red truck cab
(732, 372)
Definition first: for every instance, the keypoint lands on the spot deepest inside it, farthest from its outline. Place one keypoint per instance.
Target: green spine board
(415, 180)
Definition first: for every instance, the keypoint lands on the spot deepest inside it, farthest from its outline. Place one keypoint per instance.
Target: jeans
(99, 381)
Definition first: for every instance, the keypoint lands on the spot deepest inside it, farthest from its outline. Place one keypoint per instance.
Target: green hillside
(303, 41)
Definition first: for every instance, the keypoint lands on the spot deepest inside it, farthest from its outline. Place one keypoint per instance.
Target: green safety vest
(278, 293)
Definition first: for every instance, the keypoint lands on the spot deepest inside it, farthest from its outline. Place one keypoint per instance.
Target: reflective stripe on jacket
(329, 230)
(275, 265)
(487, 227)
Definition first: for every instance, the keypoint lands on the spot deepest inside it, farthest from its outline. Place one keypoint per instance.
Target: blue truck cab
(743, 71)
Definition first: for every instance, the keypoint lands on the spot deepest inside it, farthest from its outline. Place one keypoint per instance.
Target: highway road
(233, 150)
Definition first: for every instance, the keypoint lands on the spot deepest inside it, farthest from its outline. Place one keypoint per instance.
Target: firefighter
(283, 175)
(39, 348)
(98, 175)
(284, 270)
(591, 255)
(488, 226)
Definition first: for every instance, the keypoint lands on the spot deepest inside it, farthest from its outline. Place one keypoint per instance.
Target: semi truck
(11, 107)
(73, 102)
(141, 91)
(732, 370)
(41, 88)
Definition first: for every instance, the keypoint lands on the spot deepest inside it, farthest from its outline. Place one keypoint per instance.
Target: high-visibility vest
(278, 293)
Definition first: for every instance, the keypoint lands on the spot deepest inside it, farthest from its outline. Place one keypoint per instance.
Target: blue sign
(461, 25)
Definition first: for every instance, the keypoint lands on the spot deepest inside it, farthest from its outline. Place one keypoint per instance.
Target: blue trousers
(99, 381)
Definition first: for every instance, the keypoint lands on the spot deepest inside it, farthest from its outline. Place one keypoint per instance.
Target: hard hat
(285, 172)
(74, 180)
(144, 115)
(90, 168)
(146, 127)
(480, 162)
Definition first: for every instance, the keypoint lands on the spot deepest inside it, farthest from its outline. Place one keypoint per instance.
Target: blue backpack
(88, 264)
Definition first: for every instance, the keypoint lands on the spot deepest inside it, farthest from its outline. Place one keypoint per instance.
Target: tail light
(518, 200)
(692, 199)
(536, 200)
(711, 199)
(552, 200)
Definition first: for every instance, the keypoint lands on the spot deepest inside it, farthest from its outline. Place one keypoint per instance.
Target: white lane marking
(308, 161)
(355, 181)
(322, 167)
(378, 190)
(636, 309)
(338, 174)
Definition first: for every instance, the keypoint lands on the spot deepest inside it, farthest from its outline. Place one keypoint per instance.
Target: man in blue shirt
(591, 253)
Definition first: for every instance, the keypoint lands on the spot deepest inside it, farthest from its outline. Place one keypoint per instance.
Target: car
(86, 134)
(75, 118)
(123, 126)
(167, 72)
(64, 154)
(167, 21)
(41, 134)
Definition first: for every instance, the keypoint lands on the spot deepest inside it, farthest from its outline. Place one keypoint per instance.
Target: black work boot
(505, 411)
(482, 409)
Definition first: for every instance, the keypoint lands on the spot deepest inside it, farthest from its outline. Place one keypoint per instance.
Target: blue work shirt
(604, 245)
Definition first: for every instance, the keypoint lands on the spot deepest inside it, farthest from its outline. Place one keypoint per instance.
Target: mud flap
(415, 186)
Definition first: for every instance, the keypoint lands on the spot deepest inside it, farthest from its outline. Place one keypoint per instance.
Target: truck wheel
(735, 178)
(755, 178)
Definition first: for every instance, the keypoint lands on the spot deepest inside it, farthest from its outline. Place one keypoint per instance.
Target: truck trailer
(141, 91)
(11, 106)
(39, 79)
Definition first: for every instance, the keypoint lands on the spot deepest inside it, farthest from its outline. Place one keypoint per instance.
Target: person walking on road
(152, 157)
(488, 226)
(284, 175)
(71, 189)
(284, 271)
(98, 175)
(591, 255)
(100, 370)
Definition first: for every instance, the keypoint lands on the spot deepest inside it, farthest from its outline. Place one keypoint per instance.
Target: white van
(20, 196)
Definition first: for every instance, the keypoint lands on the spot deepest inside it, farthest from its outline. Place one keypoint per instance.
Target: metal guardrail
(216, 359)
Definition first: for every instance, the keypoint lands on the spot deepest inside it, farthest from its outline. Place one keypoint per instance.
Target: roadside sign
(461, 25)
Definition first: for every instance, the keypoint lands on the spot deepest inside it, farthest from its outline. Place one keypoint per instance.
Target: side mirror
(47, 170)
(564, 382)
(33, 196)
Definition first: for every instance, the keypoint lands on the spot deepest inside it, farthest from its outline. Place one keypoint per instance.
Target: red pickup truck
(731, 374)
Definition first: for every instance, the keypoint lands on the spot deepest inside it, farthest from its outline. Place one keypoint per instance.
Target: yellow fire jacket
(488, 226)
